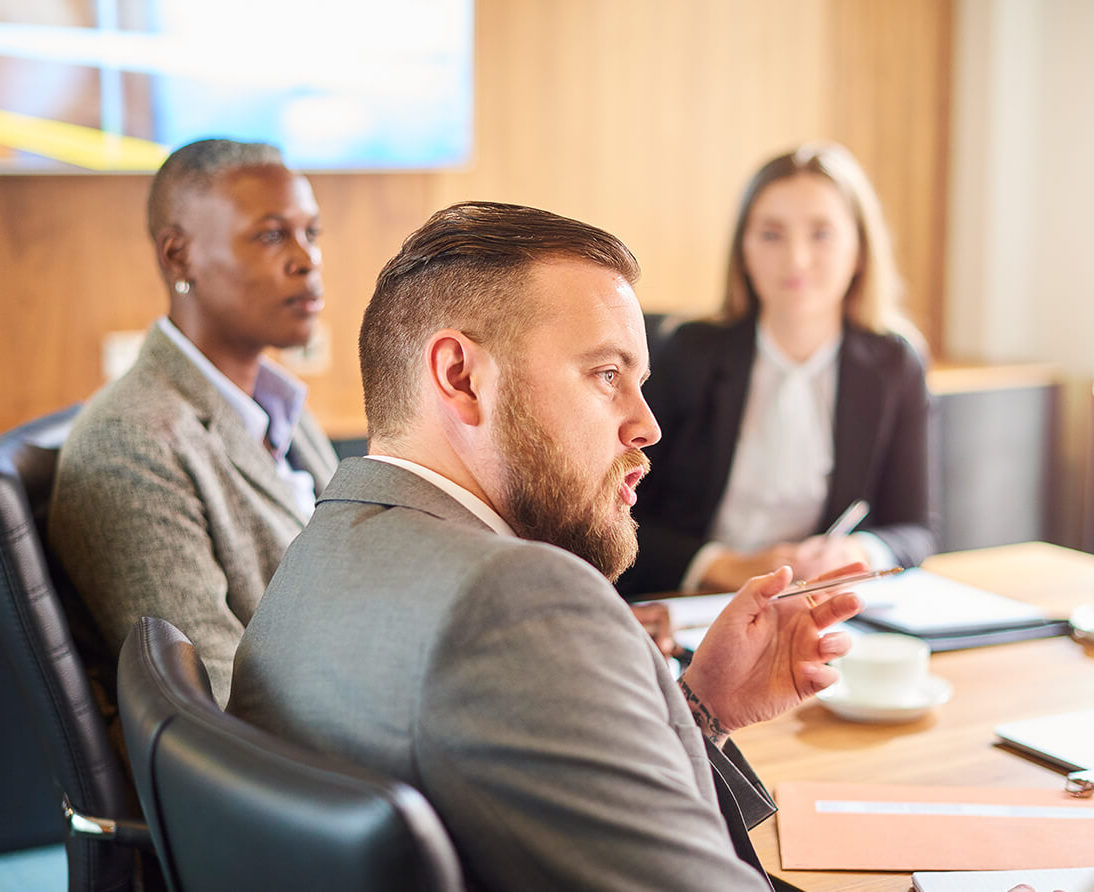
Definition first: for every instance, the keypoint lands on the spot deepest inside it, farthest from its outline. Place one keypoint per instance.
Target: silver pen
(850, 519)
(805, 588)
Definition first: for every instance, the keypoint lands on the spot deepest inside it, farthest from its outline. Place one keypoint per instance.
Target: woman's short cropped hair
(194, 166)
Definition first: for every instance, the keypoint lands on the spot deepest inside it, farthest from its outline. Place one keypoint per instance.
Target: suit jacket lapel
(249, 457)
(311, 451)
(862, 392)
(253, 461)
(728, 393)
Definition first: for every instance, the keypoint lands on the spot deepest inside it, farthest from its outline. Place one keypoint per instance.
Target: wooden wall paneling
(647, 120)
(76, 265)
(751, 91)
(889, 103)
(640, 116)
(365, 218)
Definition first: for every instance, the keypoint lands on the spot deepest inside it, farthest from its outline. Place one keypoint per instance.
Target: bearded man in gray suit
(445, 615)
(182, 483)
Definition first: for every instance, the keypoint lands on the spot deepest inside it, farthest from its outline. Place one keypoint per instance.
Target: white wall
(1020, 243)
(1064, 213)
(1020, 272)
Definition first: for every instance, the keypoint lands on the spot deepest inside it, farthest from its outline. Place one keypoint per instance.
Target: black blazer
(697, 391)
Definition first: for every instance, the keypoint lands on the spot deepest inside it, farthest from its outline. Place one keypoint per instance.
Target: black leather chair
(49, 671)
(231, 807)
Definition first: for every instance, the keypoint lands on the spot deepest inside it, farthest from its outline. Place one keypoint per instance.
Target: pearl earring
(182, 287)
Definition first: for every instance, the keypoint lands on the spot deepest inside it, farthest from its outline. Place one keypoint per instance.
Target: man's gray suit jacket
(504, 678)
(164, 505)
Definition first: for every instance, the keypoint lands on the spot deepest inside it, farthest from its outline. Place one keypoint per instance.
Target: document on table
(1075, 879)
(840, 826)
(947, 613)
(1066, 739)
(693, 614)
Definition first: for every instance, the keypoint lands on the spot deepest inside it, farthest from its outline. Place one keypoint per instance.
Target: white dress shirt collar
(465, 497)
(270, 416)
(274, 410)
(778, 484)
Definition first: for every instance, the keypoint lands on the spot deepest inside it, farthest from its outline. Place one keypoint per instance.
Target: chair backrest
(232, 807)
(37, 640)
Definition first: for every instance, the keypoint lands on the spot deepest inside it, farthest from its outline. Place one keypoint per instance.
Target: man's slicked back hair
(194, 167)
(464, 269)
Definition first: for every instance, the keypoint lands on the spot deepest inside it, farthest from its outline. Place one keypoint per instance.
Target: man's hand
(762, 657)
(657, 621)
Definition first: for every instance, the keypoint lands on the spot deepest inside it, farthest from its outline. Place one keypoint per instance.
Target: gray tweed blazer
(164, 505)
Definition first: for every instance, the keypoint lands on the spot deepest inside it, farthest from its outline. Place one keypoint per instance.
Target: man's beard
(546, 499)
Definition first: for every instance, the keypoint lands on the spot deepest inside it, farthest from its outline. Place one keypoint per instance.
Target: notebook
(1065, 740)
(949, 614)
(1066, 879)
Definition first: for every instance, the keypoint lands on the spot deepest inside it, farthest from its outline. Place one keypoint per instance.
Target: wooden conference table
(953, 744)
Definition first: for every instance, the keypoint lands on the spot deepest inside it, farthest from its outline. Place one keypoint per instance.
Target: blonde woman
(805, 396)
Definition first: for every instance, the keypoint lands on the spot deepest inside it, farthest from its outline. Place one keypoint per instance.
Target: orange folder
(839, 826)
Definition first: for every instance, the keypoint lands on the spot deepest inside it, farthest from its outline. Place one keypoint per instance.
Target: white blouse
(778, 484)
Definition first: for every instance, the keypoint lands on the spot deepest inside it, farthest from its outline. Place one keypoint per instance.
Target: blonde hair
(873, 298)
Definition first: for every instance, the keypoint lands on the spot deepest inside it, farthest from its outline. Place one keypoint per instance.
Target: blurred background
(645, 117)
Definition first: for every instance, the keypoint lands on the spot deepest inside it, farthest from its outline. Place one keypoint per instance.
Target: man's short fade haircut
(194, 166)
(464, 269)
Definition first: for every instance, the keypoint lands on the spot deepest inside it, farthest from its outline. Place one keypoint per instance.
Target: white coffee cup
(885, 669)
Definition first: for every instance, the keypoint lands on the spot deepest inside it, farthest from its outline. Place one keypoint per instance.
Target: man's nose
(641, 429)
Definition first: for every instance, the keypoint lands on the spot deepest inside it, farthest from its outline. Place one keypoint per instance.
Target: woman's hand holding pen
(732, 569)
(815, 555)
(821, 554)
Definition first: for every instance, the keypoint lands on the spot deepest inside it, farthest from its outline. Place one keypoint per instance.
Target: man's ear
(457, 368)
(172, 252)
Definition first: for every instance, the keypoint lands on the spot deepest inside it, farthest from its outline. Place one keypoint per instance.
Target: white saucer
(1082, 622)
(934, 692)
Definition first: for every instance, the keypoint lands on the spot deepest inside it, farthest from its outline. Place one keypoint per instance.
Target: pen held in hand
(806, 588)
(854, 515)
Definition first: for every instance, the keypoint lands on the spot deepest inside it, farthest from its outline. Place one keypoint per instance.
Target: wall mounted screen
(351, 85)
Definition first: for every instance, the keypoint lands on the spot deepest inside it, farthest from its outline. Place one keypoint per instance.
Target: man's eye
(609, 375)
(270, 236)
(313, 233)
